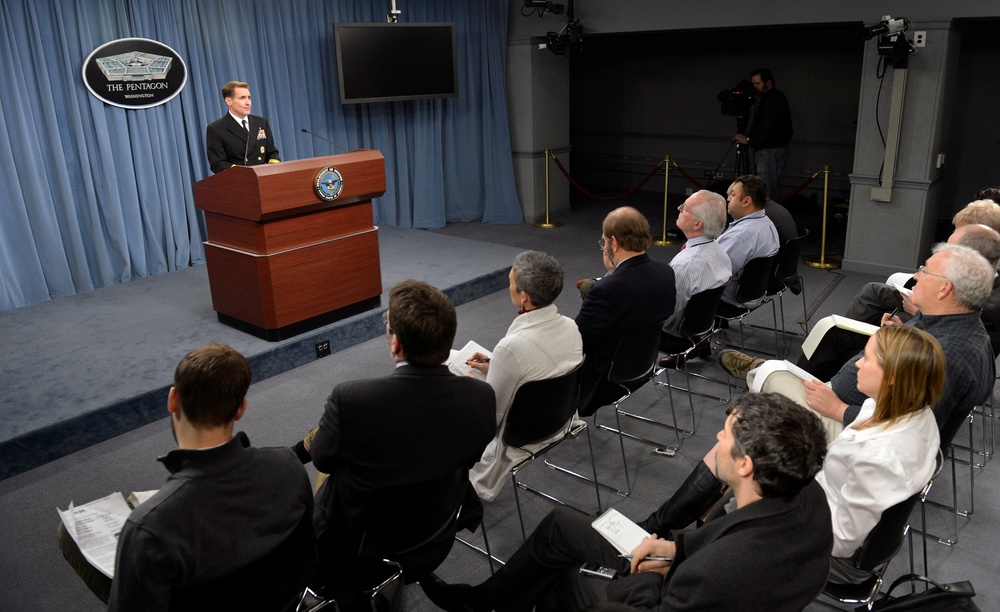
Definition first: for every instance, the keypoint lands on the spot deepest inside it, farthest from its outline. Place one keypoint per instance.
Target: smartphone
(599, 571)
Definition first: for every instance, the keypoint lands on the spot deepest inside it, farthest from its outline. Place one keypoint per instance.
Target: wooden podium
(281, 260)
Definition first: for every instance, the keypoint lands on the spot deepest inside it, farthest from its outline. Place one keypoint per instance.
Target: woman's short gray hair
(970, 275)
(539, 275)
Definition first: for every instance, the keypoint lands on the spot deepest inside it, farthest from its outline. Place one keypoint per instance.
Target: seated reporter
(766, 547)
(888, 453)
(540, 344)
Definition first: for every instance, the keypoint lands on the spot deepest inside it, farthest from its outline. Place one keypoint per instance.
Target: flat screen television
(383, 62)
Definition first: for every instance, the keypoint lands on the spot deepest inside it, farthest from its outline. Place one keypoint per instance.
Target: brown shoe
(738, 364)
(671, 361)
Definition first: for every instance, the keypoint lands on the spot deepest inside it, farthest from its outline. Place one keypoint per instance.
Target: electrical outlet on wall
(920, 38)
(322, 349)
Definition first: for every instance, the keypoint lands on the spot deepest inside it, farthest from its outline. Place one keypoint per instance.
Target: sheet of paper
(457, 360)
(620, 531)
(95, 527)
(826, 324)
(138, 497)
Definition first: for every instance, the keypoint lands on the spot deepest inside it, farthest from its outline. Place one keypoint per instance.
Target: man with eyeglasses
(950, 292)
(637, 291)
(421, 423)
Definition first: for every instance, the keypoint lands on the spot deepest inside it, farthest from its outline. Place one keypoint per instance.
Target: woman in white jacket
(889, 452)
(540, 344)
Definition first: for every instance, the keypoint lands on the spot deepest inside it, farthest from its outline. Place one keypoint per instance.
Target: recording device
(893, 44)
(543, 6)
(739, 100)
(325, 140)
(599, 571)
(887, 26)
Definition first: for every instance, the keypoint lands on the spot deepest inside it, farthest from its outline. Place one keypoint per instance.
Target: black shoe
(448, 597)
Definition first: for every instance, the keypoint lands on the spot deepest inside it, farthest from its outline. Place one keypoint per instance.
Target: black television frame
(383, 61)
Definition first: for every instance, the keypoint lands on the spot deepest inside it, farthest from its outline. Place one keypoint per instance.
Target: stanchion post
(823, 263)
(664, 239)
(547, 224)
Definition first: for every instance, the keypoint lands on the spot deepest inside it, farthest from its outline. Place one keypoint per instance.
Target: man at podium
(239, 138)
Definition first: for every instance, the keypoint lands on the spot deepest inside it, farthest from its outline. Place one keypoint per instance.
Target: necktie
(245, 126)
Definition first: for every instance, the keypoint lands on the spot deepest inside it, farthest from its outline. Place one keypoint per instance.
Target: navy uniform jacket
(226, 140)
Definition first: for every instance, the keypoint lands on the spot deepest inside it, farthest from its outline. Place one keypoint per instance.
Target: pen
(894, 311)
(485, 360)
(649, 558)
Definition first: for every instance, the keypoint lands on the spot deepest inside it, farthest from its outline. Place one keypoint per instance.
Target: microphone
(325, 140)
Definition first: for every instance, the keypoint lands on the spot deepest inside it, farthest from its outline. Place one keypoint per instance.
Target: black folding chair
(632, 366)
(697, 324)
(874, 555)
(751, 287)
(785, 277)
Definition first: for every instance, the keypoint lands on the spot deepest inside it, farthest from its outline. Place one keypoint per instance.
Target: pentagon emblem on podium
(329, 183)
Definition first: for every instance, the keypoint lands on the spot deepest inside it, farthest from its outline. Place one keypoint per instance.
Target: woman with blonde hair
(889, 452)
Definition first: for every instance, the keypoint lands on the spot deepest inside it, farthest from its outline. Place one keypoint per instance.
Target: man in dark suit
(419, 424)
(765, 546)
(239, 138)
(637, 291)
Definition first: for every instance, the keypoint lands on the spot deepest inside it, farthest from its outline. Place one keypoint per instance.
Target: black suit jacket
(226, 141)
(639, 292)
(771, 555)
(417, 425)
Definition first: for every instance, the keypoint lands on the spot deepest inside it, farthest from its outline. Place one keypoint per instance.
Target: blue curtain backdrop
(93, 195)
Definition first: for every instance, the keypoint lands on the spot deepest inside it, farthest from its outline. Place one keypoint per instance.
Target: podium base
(290, 331)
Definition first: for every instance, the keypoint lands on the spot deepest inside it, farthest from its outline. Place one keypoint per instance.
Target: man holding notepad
(765, 546)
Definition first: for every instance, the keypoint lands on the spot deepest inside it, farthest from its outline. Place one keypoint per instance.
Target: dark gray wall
(637, 97)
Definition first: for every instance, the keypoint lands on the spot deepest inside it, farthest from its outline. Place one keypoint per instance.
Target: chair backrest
(786, 265)
(636, 354)
(541, 408)
(886, 537)
(265, 584)
(699, 314)
(753, 281)
(429, 510)
(955, 421)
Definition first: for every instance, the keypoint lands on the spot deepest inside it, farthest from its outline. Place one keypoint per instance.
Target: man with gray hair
(701, 263)
(951, 289)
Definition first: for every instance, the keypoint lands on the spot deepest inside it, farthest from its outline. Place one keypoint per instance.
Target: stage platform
(83, 369)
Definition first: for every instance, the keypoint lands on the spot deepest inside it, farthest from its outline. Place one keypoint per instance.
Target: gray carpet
(281, 408)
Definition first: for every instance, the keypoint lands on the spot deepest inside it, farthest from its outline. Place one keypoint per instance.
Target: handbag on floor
(955, 596)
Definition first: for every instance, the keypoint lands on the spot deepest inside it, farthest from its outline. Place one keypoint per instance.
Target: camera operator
(770, 132)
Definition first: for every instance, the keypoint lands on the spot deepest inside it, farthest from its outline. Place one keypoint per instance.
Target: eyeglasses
(602, 243)
(681, 208)
(923, 270)
(385, 318)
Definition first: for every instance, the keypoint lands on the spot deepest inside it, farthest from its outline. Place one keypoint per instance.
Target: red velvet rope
(605, 198)
(688, 176)
(807, 182)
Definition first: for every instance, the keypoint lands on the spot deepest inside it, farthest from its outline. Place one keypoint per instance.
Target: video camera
(739, 100)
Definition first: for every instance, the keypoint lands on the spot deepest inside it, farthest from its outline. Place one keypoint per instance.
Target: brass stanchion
(664, 239)
(547, 224)
(823, 263)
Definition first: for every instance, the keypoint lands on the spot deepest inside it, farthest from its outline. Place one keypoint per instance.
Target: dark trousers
(834, 350)
(545, 569)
